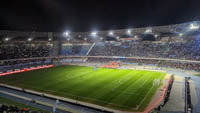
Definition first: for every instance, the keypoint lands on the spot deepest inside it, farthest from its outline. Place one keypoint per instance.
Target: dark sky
(85, 15)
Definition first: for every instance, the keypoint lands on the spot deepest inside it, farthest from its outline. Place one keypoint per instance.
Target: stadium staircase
(89, 51)
(188, 103)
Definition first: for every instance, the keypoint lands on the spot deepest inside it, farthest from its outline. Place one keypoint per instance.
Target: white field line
(146, 95)
(114, 82)
(123, 83)
(93, 76)
(111, 84)
(88, 97)
(137, 79)
(125, 92)
(141, 86)
(67, 75)
(124, 79)
(79, 75)
(133, 84)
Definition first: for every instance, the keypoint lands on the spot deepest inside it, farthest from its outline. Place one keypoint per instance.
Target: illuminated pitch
(127, 90)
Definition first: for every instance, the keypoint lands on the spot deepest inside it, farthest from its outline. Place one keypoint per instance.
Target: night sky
(83, 15)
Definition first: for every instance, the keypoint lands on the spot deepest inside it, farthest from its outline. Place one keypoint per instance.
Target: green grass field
(198, 75)
(114, 88)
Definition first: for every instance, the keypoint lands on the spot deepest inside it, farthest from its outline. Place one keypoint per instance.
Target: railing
(188, 103)
(113, 57)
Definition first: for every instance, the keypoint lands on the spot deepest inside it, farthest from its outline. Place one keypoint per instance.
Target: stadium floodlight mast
(194, 27)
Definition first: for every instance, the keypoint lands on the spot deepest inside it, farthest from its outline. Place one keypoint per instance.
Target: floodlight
(85, 39)
(50, 39)
(111, 33)
(6, 39)
(135, 36)
(148, 30)
(129, 31)
(94, 33)
(194, 27)
(29, 39)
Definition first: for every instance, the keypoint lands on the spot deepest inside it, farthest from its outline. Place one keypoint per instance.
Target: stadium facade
(177, 44)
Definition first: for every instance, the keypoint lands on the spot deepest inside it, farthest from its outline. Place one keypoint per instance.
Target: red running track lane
(24, 70)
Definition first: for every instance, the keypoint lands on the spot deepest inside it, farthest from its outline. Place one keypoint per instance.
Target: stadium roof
(144, 32)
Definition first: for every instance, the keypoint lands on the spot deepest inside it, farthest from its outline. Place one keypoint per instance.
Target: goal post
(156, 82)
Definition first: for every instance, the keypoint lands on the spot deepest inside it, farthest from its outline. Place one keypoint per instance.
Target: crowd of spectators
(23, 50)
(184, 50)
(13, 109)
(148, 62)
(21, 64)
(75, 50)
(189, 50)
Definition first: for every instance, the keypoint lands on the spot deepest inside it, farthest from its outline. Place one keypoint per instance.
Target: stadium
(149, 69)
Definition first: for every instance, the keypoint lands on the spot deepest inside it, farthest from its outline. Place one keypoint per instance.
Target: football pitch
(128, 90)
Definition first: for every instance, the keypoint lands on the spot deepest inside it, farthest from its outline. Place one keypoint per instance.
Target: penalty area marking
(148, 93)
